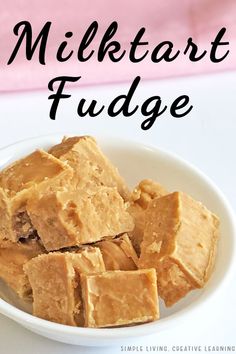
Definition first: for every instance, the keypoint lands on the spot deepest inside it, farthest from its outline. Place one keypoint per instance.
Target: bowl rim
(29, 320)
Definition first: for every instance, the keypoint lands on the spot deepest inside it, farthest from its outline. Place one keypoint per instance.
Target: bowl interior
(136, 162)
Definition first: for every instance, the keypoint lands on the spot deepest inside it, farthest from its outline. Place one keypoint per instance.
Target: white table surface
(206, 138)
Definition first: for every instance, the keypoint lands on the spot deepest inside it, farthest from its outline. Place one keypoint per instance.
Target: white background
(206, 138)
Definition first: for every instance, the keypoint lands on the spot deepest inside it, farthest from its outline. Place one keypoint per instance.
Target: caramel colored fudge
(13, 256)
(118, 253)
(141, 196)
(52, 278)
(65, 219)
(55, 279)
(146, 191)
(89, 260)
(32, 170)
(180, 241)
(38, 170)
(117, 298)
(91, 166)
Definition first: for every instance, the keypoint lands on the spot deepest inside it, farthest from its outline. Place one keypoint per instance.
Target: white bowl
(136, 162)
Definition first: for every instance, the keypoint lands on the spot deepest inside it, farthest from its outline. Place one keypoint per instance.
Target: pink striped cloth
(164, 20)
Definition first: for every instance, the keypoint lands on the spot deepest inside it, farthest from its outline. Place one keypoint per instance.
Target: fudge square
(37, 170)
(142, 195)
(116, 298)
(13, 256)
(55, 281)
(180, 241)
(31, 170)
(91, 166)
(64, 219)
(118, 253)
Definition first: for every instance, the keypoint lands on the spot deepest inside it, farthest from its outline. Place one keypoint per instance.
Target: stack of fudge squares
(86, 250)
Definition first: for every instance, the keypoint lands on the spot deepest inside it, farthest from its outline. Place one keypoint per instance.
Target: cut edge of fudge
(136, 235)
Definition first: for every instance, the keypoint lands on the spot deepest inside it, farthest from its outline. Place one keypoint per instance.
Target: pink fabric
(164, 20)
